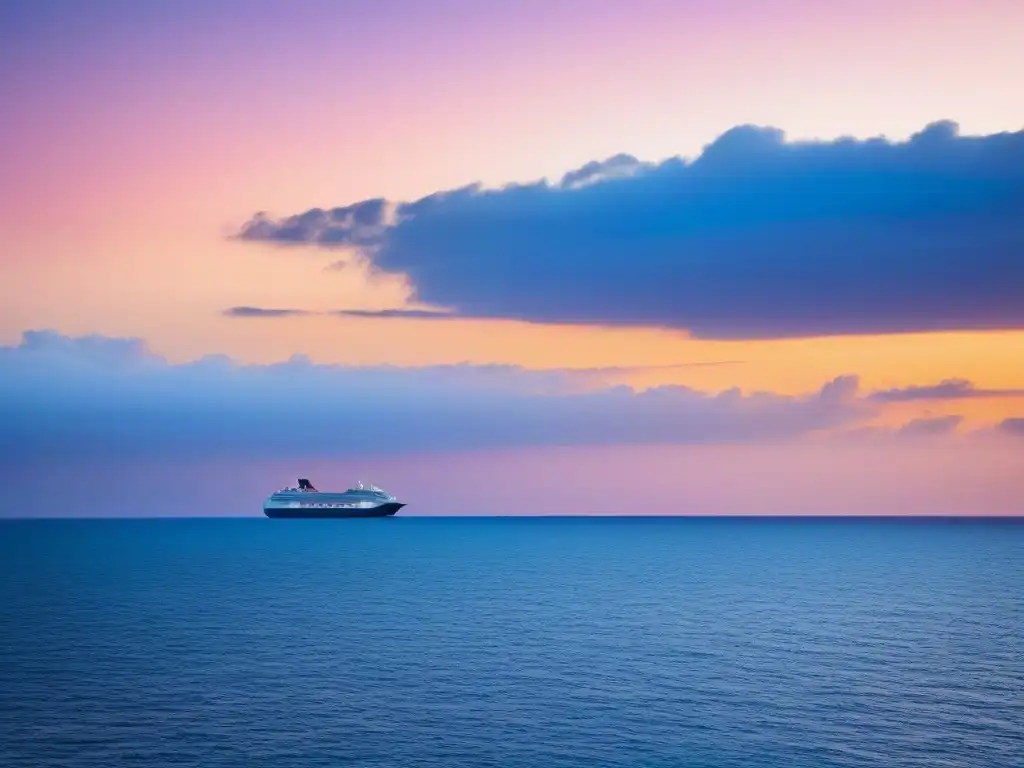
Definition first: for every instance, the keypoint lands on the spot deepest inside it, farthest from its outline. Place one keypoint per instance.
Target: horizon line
(1019, 516)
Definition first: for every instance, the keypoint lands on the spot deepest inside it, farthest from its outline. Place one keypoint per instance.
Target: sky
(513, 257)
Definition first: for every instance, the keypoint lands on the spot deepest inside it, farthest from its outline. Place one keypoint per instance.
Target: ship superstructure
(304, 500)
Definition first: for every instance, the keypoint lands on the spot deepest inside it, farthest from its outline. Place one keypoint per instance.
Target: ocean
(514, 643)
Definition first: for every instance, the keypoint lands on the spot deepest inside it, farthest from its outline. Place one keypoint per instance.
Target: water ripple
(533, 643)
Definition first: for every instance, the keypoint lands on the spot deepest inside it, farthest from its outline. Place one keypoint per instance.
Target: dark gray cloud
(352, 225)
(396, 314)
(263, 312)
(99, 396)
(914, 430)
(947, 389)
(756, 238)
(378, 314)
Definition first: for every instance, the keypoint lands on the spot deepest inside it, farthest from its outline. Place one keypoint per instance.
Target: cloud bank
(69, 397)
(80, 416)
(758, 237)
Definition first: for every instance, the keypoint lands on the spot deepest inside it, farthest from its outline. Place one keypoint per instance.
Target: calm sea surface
(504, 642)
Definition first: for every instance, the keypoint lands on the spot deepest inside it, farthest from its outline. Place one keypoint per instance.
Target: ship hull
(381, 510)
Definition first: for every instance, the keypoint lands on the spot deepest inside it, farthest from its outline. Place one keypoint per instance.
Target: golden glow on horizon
(173, 298)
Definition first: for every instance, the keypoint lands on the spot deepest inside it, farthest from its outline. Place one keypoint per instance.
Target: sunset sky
(559, 256)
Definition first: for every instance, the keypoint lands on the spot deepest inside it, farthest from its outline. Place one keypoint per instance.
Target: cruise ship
(306, 501)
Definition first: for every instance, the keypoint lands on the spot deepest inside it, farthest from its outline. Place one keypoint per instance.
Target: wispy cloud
(352, 225)
(396, 314)
(400, 313)
(931, 426)
(264, 312)
(947, 389)
(1013, 426)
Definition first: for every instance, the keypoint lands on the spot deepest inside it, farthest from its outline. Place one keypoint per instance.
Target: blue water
(503, 642)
